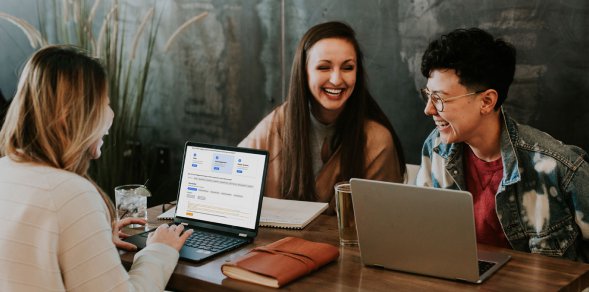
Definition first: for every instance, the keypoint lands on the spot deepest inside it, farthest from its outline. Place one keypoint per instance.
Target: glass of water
(344, 208)
(131, 201)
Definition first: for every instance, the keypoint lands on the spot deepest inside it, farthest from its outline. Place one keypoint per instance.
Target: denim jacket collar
(509, 135)
(452, 153)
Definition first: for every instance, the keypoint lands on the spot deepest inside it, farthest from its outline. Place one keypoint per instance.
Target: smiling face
(461, 120)
(331, 71)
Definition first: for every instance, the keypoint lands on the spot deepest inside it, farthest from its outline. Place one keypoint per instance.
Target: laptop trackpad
(138, 240)
(194, 254)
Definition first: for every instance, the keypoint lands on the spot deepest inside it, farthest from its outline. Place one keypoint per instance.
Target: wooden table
(524, 272)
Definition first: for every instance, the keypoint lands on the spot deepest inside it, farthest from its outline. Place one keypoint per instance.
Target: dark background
(227, 72)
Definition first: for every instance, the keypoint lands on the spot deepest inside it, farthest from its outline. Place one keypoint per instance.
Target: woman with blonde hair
(59, 230)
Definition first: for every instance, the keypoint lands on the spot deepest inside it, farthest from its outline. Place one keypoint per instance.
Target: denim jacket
(542, 201)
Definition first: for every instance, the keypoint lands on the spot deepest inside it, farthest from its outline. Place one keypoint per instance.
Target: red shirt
(482, 180)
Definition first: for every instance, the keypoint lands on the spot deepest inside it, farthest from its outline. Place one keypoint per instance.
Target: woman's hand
(171, 235)
(118, 235)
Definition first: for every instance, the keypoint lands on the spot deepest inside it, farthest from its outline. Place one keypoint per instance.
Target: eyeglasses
(437, 101)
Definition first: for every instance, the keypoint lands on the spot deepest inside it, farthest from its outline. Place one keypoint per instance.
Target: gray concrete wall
(14, 46)
(225, 73)
(552, 66)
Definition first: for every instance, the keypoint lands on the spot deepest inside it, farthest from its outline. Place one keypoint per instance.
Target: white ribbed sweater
(55, 235)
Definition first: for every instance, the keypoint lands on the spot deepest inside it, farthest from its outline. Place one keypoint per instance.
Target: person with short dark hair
(330, 128)
(530, 191)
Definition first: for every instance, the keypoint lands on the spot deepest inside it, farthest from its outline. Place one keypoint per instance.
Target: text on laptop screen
(221, 186)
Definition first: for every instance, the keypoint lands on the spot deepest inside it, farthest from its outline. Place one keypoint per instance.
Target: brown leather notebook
(280, 262)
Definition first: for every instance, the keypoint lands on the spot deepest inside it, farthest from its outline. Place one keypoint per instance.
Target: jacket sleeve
(578, 189)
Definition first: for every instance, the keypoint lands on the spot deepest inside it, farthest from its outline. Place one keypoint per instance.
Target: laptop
(420, 230)
(219, 196)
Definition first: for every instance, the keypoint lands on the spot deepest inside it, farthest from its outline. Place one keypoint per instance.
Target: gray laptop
(420, 230)
(219, 196)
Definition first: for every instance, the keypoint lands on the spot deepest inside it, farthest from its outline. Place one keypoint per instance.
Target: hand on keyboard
(171, 235)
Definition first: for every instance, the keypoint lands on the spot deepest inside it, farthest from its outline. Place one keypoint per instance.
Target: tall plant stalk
(128, 75)
(128, 67)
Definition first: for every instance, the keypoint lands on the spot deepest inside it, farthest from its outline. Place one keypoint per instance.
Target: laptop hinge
(242, 235)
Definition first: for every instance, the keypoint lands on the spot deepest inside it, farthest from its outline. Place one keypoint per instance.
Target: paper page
(168, 214)
(290, 211)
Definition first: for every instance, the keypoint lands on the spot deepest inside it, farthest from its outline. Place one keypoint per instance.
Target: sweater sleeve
(88, 258)
(258, 138)
(381, 154)
(266, 131)
(157, 261)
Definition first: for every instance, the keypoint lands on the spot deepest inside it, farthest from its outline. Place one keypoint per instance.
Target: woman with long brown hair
(59, 230)
(330, 128)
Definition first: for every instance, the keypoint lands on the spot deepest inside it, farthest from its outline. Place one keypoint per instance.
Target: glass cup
(131, 201)
(345, 214)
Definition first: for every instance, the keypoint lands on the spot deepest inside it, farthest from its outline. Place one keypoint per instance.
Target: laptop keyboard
(211, 242)
(484, 266)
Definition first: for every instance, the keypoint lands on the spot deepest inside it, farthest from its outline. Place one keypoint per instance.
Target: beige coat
(380, 157)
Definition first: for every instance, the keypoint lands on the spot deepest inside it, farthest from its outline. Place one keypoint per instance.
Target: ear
(488, 100)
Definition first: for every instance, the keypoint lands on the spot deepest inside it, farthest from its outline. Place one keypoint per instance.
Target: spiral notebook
(292, 214)
(168, 215)
(280, 213)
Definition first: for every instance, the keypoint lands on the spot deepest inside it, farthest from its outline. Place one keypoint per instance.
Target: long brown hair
(58, 112)
(297, 181)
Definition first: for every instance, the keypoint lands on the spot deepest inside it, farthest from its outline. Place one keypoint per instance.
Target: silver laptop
(219, 196)
(420, 230)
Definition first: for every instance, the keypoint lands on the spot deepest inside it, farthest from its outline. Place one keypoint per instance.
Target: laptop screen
(221, 185)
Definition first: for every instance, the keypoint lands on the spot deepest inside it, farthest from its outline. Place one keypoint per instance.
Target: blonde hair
(58, 112)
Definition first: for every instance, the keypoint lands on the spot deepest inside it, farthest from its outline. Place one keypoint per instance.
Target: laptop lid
(221, 188)
(420, 230)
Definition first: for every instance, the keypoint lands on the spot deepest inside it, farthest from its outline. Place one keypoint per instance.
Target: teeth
(441, 123)
(333, 91)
